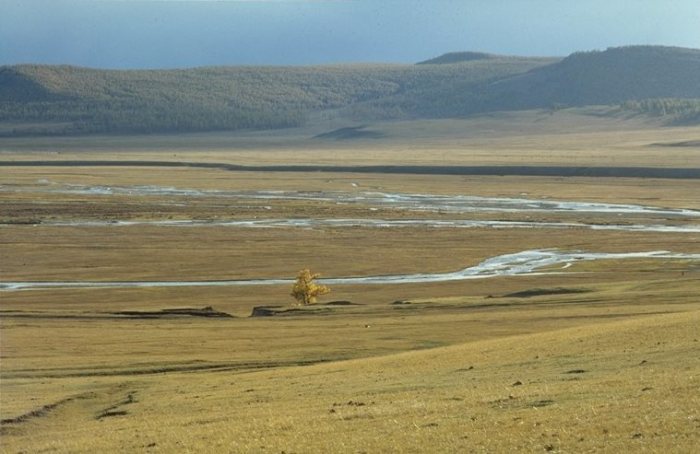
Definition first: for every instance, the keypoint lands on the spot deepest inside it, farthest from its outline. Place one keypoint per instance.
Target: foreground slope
(614, 387)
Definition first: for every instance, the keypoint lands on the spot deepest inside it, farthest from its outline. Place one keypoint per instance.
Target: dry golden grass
(105, 254)
(645, 191)
(463, 368)
(566, 138)
(616, 386)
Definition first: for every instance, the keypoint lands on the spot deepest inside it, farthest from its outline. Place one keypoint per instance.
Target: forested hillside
(69, 100)
(64, 99)
(609, 77)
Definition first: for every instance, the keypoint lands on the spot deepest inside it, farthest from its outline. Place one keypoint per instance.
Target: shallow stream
(416, 202)
(529, 262)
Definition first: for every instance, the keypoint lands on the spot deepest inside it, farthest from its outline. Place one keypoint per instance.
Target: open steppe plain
(576, 356)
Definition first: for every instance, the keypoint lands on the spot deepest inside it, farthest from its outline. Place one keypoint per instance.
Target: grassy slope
(609, 77)
(616, 386)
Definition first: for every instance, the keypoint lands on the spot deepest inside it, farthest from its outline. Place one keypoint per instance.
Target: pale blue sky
(174, 33)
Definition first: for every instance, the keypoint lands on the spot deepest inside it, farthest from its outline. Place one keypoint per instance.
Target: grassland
(599, 356)
(574, 137)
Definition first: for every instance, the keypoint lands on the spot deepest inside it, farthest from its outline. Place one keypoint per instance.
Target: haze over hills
(47, 99)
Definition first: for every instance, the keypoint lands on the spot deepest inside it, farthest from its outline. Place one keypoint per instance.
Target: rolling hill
(610, 77)
(48, 100)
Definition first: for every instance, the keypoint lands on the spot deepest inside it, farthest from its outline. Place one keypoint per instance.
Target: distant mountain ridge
(45, 99)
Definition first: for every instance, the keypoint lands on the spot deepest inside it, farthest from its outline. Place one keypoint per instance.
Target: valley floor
(595, 352)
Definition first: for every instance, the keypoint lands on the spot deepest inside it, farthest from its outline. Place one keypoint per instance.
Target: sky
(175, 33)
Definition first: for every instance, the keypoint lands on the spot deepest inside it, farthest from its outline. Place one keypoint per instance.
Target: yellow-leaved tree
(305, 290)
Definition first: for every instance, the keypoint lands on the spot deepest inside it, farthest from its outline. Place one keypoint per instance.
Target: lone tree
(305, 290)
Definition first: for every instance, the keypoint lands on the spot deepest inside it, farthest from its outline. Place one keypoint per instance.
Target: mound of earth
(350, 133)
(316, 309)
(341, 303)
(176, 312)
(456, 57)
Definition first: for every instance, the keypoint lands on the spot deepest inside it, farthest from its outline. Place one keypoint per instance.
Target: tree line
(680, 111)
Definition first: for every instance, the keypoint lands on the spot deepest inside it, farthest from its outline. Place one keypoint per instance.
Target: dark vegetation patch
(177, 312)
(341, 303)
(544, 171)
(22, 221)
(686, 143)
(546, 291)
(208, 312)
(107, 414)
(266, 311)
(284, 311)
(541, 403)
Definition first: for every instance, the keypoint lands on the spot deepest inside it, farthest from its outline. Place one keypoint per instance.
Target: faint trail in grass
(209, 367)
(45, 409)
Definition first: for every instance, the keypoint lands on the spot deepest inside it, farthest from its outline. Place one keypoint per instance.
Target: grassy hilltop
(40, 99)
